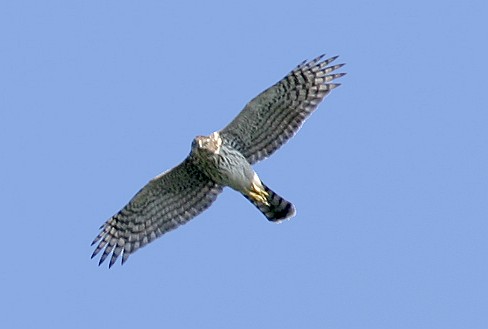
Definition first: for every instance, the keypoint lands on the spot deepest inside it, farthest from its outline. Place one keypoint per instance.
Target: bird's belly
(237, 175)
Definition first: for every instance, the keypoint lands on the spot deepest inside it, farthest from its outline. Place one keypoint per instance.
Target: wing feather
(274, 116)
(166, 202)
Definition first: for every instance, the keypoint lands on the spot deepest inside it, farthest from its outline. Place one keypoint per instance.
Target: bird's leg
(258, 193)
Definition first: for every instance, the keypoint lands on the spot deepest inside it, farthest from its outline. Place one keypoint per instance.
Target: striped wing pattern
(178, 195)
(274, 116)
(166, 202)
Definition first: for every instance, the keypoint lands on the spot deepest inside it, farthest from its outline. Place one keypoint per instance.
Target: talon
(259, 194)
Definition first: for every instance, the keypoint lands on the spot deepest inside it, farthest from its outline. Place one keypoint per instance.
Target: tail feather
(275, 208)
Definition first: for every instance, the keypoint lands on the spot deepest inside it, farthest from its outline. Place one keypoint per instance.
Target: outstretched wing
(167, 201)
(275, 115)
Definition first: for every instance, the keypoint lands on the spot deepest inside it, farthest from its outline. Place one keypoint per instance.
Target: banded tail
(273, 206)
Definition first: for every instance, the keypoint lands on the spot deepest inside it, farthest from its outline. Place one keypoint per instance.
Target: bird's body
(226, 166)
(221, 162)
(221, 159)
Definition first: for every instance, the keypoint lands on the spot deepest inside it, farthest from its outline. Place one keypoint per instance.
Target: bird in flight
(223, 158)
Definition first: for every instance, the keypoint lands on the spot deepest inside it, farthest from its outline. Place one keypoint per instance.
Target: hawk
(223, 158)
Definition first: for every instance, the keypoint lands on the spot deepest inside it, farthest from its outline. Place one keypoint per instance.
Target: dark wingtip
(339, 75)
(125, 256)
(333, 58)
(104, 256)
(318, 58)
(333, 85)
(113, 259)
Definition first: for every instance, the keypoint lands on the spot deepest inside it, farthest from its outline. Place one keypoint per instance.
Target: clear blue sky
(389, 176)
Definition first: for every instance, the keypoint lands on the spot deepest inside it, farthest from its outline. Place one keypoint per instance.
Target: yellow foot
(258, 194)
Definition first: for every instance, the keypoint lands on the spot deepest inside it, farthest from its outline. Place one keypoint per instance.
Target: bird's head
(208, 144)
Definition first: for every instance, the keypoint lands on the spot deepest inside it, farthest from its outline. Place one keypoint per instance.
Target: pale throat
(214, 143)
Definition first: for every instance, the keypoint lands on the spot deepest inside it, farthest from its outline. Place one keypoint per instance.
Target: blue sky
(389, 176)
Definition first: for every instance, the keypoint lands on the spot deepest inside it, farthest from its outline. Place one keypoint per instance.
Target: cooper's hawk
(222, 159)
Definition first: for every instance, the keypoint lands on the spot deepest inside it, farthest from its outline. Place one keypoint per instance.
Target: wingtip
(318, 58)
(125, 256)
(104, 256)
(333, 58)
(113, 259)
